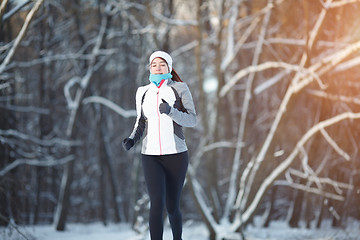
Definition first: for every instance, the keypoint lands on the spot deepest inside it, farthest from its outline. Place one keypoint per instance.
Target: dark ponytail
(175, 77)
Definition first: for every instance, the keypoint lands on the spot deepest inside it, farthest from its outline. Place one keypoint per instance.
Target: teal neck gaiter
(156, 78)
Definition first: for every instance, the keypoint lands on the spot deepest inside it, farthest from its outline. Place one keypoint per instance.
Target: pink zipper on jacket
(158, 112)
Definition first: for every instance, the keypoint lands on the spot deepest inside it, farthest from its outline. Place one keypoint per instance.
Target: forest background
(276, 89)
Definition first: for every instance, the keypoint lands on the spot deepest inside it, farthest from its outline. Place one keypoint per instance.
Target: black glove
(128, 143)
(164, 107)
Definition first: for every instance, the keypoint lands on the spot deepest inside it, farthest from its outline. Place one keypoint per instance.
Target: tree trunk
(108, 161)
(4, 186)
(39, 176)
(199, 68)
(270, 208)
(321, 213)
(212, 233)
(135, 179)
(7, 121)
(102, 187)
(296, 210)
(64, 196)
(308, 211)
(168, 13)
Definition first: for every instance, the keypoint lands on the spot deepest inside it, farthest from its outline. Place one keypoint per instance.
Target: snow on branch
(295, 42)
(12, 11)
(335, 97)
(69, 100)
(348, 64)
(335, 184)
(21, 35)
(4, 134)
(326, 64)
(3, 5)
(232, 49)
(27, 109)
(270, 82)
(310, 189)
(221, 144)
(244, 113)
(313, 178)
(200, 198)
(230, 52)
(334, 145)
(74, 103)
(203, 148)
(60, 57)
(341, 3)
(313, 72)
(119, 110)
(258, 68)
(289, 160)
(187, 47)
(40, 163)
(177, 22)
(239, 204)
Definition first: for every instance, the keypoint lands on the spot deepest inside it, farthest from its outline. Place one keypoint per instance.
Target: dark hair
(175, 77)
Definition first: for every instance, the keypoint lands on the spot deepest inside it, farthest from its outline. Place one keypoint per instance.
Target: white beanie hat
(162, 55)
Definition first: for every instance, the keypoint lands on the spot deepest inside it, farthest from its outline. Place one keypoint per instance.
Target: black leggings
(164, 176)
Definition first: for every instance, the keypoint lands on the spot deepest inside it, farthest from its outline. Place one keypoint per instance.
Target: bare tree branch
(74, 103)
(232, 52)
(200, 197)
(335, 184)
(310, 189)
(315, 31)
(12, 11)
(270, 82)
(40, 163)
(334, 145)
(26, 109)
(258, 68)
(42, 142)
(119, 110)
(341, 3)
(327, 64)
(2, 9)
(335, 97)
(177, 22)
(243, 120)
(21, 35)
(295, 87)
(59, 57)
(347, 65)
(286, 163)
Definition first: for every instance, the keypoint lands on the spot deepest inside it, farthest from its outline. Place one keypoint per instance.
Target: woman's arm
(188, 118)
(140, 123)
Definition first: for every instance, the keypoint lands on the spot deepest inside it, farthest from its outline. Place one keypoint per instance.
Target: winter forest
(275, 86)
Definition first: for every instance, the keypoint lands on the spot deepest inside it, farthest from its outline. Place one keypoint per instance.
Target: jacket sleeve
(140, 123)
(188, 118)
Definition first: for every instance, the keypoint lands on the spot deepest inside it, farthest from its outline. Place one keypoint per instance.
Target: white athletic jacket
(163, 134)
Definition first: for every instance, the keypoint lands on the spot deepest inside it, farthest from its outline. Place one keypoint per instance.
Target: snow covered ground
(192, 231)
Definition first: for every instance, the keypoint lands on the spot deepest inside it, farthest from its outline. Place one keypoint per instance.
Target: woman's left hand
(164, 107)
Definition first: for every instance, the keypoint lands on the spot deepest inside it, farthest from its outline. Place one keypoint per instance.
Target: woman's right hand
(128, 143)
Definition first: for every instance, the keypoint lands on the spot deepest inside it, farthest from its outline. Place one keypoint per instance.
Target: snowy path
(97, 231)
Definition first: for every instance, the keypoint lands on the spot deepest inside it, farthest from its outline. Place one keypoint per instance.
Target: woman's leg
(155, 182)
(176, 166)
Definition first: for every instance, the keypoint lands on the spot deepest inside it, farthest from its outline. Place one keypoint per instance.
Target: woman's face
(159, 66)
